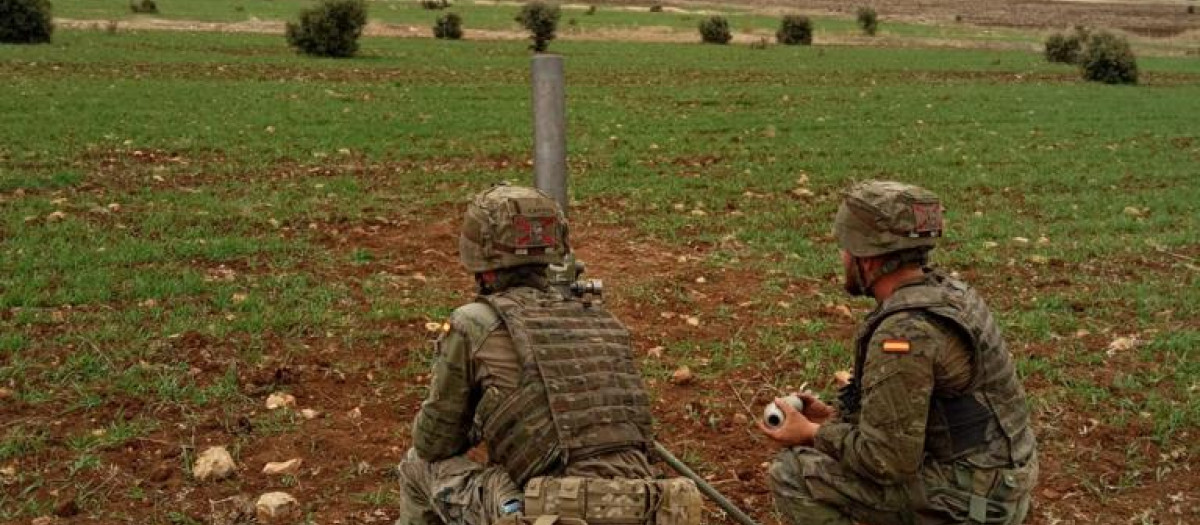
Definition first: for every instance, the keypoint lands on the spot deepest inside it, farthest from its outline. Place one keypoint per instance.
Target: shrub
(25, 21)
(656, 8)
(591, 10)
(715, 30)
(795, 30)
(144, 6)
(1064, 48)
(1107, 58)
(434, 5)
(541, 20)
(448, 27)
(868, 20)
(1191, 9)
(329, 29)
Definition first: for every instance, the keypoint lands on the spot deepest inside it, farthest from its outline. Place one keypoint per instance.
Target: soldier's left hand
(796, 429)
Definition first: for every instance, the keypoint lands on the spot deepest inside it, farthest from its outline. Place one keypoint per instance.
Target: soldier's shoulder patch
(896, 346)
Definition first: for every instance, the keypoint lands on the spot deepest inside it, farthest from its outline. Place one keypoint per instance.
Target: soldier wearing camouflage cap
(933, 428)
(546, 382)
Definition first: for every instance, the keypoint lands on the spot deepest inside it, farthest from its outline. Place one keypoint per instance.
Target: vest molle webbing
(579, 394)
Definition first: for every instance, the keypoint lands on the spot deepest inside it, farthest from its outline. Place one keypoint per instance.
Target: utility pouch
(597, 501)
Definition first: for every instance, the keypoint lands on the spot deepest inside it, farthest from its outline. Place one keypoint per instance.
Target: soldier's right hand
(815, 409)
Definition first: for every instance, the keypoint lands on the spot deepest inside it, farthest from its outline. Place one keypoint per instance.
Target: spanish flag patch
(896, 346)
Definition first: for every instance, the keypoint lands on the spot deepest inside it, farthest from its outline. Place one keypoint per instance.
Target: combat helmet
(507, 226)
(880, 217)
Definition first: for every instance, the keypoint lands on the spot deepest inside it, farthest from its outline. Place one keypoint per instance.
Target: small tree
(144, 6)
(448, 26)
(1108, 58)
(25, 21)
(795, 30)
(868, 20)
(715, 30)
(541, 20)
(330, 29)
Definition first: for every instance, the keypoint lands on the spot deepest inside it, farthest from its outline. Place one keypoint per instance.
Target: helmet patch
(928, 219)
(535, 232)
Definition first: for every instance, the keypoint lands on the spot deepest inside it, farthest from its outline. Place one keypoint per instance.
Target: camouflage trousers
(456, 491)
(811, 488)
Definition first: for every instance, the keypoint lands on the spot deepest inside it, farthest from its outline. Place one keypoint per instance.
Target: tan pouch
(680, 502)
(597, 501)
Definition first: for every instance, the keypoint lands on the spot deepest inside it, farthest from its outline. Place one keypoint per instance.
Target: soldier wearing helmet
(546, 382)
(933, 428)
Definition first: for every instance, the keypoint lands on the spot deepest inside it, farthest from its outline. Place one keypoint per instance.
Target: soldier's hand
(795, 430)
(815, 409)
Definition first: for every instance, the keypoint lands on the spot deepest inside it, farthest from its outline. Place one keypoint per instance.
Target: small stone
(678, 206)
(701, 280)
(699, 213)
(309, 413)
(1133, 212)
(990, 244)
(433, 327)
(239, 298)
(6, 394)
(682, 376)
(56, 216)
(280, 400)
(215, 464)
(693, 321)
(1043, 240)
(283, 468)
(740, 419)
(277, 507)
(655, 352)
(843, 311)
(803, 193)
(355, 413)
(1121, 344)
(8, 475)
(1038, 259)
(42, 520)
(1020, 240)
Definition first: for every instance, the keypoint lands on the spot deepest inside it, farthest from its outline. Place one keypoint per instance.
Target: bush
(25, 21)
(1064, 48)
(1107, 58)
(541, 20)
(1191, 10)
(434, 5)
(868, 20)
(330, 29)
(448, 27)
(591, 10)
(715, 30)
(795, 30)
(145, 6)
(656, 8)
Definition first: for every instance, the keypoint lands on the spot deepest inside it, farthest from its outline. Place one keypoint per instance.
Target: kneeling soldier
(547, 382)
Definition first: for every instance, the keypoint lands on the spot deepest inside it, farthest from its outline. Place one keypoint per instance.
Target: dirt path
(1182, 44)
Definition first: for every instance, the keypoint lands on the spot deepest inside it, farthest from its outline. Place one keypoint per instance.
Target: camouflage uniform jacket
(916, 356)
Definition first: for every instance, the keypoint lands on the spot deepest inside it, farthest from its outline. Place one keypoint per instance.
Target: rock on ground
(214, 464)
(277, 507)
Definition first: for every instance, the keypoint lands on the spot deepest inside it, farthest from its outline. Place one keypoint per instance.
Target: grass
(245, 179)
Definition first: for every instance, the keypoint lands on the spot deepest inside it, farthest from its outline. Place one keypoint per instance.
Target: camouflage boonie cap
(878, 217)
(508, 226)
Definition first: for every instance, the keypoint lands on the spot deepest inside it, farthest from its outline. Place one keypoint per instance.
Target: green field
(184, 215)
